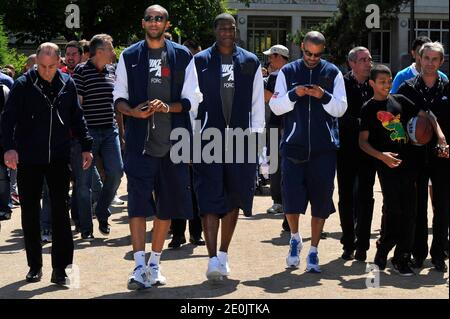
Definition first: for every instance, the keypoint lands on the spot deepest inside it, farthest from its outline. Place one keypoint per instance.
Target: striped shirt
(96, 88)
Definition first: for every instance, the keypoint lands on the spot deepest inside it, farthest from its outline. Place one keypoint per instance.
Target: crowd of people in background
(118, 112)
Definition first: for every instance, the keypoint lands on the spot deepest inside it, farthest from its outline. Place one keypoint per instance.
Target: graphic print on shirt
(392, 123)
(156, 72)
(228, 75)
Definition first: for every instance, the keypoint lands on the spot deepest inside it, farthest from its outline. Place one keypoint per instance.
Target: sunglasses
(154, 18)
(310, 54)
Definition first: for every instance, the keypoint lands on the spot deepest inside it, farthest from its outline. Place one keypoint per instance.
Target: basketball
(420, 130)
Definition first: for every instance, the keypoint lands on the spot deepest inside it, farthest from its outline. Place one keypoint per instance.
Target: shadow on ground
(203, 290)
(339, 269)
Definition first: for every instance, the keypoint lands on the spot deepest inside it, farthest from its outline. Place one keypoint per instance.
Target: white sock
(154, 258)
(296, 236)
(313, 249)
(139, 258)
(222, 256)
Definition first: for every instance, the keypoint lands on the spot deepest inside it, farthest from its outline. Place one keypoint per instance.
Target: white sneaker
(155, 276)
(293, 258)
(224, 266)
(214, 273)
(117, 201)
(138, 279)
(312, 263)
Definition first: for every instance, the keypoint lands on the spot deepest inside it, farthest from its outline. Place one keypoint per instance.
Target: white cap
(278, 49)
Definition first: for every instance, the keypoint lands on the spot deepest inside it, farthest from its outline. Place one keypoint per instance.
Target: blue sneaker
(312, 263)
(293, 258)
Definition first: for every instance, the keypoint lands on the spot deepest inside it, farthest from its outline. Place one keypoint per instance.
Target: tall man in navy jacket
(156, 86)
(310, 92)
(230, 79)
(41, 112)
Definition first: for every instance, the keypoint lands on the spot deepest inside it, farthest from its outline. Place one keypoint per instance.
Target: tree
(347, 27)
(42, 20)
(8, 55)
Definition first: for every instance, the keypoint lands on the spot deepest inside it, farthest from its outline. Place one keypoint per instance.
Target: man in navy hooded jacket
(231, 82)
(156, 87)
(310, 92)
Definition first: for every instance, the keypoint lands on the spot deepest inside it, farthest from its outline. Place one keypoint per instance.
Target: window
(264, 32)
(380, 43)
(311, 23)
(436, 30)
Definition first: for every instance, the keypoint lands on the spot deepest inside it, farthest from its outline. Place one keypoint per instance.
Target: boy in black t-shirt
(383, 135)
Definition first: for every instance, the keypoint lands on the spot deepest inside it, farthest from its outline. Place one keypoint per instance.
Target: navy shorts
(220, 188)
(311, 181)
(170, 183)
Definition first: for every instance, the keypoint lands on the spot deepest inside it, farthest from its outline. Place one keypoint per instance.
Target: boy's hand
(390, 159)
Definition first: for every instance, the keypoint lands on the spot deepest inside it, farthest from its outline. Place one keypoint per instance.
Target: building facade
(268, 22)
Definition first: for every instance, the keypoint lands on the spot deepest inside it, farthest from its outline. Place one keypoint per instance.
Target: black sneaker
(285, 225)
(361, 255)
(198, 241)
(59, 277)
(34, 275)
(103, 227)
(380, 260)
(275, 209)
(176, 242)
(88, 236)
(439, 265)
(416, 263)
(348, 254)
(5, 215)
(403, 268)
(46, 236)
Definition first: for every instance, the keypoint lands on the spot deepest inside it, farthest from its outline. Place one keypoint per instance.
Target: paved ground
(257, 256)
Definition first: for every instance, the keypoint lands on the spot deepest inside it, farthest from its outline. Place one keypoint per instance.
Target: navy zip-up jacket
(310, 124)
(248, 103)
(37, 129)
(131, 87)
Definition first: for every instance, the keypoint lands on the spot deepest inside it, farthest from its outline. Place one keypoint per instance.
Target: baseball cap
(278, 49)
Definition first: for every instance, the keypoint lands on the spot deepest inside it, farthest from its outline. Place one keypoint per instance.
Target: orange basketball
(420, 130)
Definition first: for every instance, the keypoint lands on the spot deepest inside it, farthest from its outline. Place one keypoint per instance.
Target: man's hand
(11, 159)
(390, 159)
(316, 91)
(300, 91)
(140, 113)
(87, 159)
(159, 106)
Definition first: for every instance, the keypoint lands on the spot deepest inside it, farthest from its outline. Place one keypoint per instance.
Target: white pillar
(242, 21)
(402, 42)
(295, 26)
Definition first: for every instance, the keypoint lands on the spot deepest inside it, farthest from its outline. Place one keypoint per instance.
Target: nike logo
(133, 65)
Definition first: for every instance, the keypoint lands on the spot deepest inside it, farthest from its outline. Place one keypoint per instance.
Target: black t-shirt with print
(386, 122)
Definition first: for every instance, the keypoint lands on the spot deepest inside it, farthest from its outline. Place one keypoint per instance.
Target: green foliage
(347, 28)
(8, 55)
(41, 21)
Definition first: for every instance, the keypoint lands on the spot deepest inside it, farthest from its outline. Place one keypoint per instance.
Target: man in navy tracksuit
(231, 82)
(310, 92)
(156, 86)
(39, 116)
